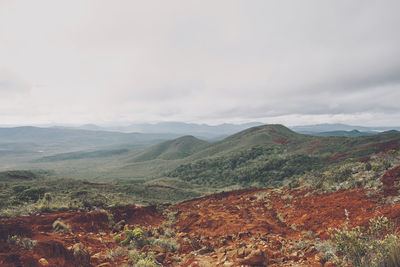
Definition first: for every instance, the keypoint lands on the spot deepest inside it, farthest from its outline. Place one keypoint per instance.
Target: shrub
(308, 234)
(19, 188)
(361, 247)
(47, 198)
(280, 217)
(262, 195)
(142, 259)
(328, 250)
(32, 194)
(111, 254)
(25, 243)
(135, 237)
(368, 166)
(169, 232)
(117, 238)
(393, 259)
(28, 243)
(13, 239)
(166, 243)
(80, 254)
(287, 197)
(89, 199)
(60, 226)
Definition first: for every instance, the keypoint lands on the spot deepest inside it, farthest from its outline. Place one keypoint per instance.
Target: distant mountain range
(199, 130)
(218, 132)
(319, 128)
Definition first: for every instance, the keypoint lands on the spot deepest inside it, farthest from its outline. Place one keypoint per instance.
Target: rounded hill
(174, 149)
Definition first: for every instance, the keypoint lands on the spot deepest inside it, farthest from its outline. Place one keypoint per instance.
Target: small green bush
(361, 247)
(135, 237)
(142, 259)
(117, 238)
(393, 259)
(32, 194)
(19, 188)
(13, 239)
(111, 254)
(27, 243)
(60, 226)
(166, 243)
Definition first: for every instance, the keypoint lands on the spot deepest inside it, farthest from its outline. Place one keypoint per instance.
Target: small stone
(43, 262)
(329, 264)
(255, 258)
(97, 256)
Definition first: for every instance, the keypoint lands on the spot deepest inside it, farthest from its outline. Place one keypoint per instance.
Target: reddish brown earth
(314, 145)
(382, 147)
(252, 227)
(92, 229)
(276, 139)
(390, 181)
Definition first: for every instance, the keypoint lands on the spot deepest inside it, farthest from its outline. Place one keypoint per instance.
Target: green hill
(175, 149)
(265, 135)
(270, 154)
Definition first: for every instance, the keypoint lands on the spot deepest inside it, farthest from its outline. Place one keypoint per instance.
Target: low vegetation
(260, 166)
(375, 245)
(34, 194)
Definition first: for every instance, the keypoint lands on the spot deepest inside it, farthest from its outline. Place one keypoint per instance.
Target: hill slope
(251, 227)
(174, 149)
(266, 135)
(271, 154)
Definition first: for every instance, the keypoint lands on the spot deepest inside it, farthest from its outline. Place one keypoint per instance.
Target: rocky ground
(253, 227)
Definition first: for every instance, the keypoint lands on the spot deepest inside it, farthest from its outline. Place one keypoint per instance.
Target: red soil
(390, 181)
(314, 145)
(252, 227)
(383, 147)
(276, 139)
(337, 156)
(89, 228)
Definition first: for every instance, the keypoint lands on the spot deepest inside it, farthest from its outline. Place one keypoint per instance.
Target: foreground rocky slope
(252, 227)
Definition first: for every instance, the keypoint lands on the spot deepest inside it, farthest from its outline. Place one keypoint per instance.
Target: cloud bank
(291, 62)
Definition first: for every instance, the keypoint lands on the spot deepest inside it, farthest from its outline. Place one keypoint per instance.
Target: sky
(226, 61)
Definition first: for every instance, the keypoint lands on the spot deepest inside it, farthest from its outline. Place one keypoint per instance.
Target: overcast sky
(291, 62)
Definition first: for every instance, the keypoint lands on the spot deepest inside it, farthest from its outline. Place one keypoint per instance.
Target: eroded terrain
(253, 227)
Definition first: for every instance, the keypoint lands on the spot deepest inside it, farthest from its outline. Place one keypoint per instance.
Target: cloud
(202, 61)
(11, 83)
